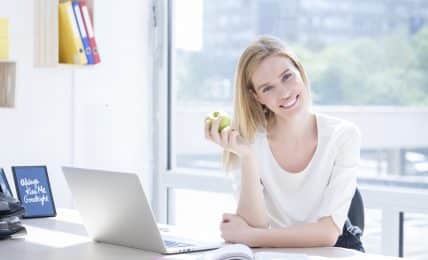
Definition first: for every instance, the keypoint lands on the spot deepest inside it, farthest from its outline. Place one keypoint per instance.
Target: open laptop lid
(114, 208)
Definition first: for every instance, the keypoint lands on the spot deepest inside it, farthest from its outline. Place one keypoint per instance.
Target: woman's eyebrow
(280, 75)
(285, 71)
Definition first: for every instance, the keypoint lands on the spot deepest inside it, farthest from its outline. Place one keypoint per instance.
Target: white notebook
(243, 252)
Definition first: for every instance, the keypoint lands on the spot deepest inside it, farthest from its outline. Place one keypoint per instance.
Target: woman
(294, 170)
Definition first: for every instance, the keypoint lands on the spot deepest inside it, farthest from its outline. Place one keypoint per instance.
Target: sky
(188, 24)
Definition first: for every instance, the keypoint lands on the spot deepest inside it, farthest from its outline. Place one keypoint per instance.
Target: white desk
(64, 237)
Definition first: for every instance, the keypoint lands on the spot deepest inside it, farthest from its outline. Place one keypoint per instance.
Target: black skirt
(351, 237)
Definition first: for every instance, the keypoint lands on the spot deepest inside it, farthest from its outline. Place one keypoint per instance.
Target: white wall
(92, 116)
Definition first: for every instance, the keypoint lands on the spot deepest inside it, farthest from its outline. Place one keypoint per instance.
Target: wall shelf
(46, 45)
(7, 83)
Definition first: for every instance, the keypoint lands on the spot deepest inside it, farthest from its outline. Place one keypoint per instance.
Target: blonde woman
(294, 170)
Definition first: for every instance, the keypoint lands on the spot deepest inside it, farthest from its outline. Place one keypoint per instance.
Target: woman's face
(279, 86)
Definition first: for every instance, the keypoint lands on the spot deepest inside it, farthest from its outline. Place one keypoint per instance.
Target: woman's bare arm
(251, 205)
(320, 234)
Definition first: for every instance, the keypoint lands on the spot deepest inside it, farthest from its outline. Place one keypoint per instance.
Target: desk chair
(356, 210)
(354, 225)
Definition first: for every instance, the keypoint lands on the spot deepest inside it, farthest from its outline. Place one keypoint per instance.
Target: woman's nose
(285, 91)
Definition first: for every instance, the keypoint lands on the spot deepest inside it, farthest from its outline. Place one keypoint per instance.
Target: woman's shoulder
(336, 127)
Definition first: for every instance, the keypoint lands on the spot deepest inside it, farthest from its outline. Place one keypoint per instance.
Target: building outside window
(367, 61)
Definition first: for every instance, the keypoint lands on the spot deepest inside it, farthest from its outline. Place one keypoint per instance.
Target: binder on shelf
(70, 43)
(82, 31)
(89, 31)
(4, 39)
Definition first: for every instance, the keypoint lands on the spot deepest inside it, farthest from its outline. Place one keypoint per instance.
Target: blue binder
(82, 31)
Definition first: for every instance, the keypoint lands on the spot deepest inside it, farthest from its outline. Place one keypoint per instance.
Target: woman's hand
(228, 138)
(235, 229)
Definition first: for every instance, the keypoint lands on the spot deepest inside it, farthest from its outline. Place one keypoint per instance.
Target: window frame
(166, 179)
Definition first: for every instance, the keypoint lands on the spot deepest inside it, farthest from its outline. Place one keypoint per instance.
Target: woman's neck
(296, 128)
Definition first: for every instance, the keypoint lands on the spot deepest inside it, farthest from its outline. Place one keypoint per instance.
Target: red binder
(90, 31)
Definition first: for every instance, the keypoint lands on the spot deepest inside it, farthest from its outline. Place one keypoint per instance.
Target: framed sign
(4, 185)
(34, 191)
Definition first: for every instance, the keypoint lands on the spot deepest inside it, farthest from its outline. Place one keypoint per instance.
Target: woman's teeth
(290, 103)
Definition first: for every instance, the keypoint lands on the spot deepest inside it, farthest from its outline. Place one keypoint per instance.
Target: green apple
(224, 122)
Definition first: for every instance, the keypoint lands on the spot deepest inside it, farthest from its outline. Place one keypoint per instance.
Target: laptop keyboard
(170, 243)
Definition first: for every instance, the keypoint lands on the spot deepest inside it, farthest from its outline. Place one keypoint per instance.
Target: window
(361, 56)
(366, 62)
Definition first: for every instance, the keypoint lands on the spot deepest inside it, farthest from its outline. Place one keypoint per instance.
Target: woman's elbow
(330, 238)
(330, 233)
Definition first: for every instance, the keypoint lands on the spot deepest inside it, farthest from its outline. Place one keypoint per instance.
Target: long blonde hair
(249, 115)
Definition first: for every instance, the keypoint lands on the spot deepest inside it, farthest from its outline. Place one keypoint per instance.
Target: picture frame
(33, 190)
(4, 184)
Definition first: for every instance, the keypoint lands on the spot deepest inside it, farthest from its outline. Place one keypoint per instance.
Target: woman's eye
(266, 89)
(286, 77)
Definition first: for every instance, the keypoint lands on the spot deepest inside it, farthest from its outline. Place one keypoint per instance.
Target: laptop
(115, 210)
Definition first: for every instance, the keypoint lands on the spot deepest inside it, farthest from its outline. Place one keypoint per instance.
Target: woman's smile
(290, 103)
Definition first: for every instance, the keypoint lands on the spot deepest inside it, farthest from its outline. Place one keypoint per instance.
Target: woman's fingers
(234, 138)
(207, 130)
(225, 136)
(215, 136)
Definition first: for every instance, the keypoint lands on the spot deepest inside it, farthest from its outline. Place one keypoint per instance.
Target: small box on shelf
(46, 45)
(7, 83)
